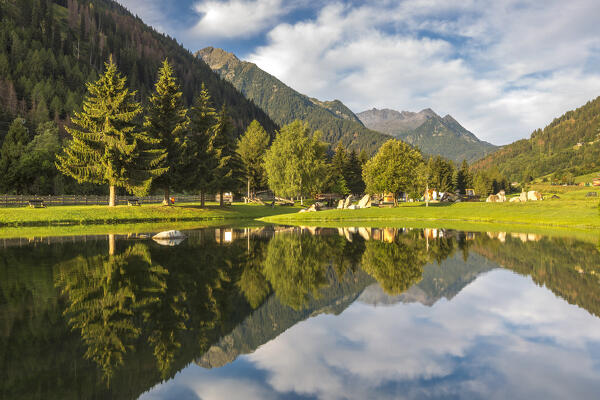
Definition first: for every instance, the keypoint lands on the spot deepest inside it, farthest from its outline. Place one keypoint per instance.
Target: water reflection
(112, 318)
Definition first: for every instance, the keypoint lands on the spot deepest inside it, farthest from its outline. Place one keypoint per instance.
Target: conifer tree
(354, 178)
(198, 155)
(108, 146)
(10, 155)
(229, 171)
(166, 121)
(252, 147)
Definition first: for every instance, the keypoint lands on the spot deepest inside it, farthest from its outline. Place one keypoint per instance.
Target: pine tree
(108, 146)
(339, 165)
(166, 121)
(12, 150)
(229, 170)
(198, 155)
(353, 175)
(462, 177)
(252, 147)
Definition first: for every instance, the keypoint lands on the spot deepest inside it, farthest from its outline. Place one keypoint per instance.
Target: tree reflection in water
(173, 304)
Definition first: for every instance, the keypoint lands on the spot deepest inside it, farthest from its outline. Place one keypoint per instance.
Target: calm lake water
(290, 313)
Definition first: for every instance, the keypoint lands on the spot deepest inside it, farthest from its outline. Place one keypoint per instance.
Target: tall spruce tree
(229, 171)
(198, 153)
(108, 146)
(252, 147)
(166, 121)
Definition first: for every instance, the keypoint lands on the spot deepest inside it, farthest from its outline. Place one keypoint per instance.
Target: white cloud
(236, 18)
(502, 68)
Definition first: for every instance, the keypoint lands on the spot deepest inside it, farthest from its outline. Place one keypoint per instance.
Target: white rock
(365, 202)
(169, 235)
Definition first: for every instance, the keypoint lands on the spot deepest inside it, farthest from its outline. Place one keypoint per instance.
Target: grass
(103, 215)
(575, 212)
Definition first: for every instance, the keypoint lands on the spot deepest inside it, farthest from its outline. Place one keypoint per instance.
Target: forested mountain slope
(569, 145)
(428, 131)
(49, 49)
(284, 104)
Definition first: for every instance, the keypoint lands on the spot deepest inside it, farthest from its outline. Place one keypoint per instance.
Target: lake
(301, 313)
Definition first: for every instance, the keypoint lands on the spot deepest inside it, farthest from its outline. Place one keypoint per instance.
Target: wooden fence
(11, 200)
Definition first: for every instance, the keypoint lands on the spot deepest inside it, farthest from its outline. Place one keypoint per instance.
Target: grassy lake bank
(104, 215)
(571, 214)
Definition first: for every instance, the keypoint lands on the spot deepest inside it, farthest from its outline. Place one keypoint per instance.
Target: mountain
(428, 131)
(284, 105)
(49, 49)
(569, 145)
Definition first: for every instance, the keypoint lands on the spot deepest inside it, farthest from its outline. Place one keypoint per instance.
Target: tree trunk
(395, 199)
(302, 201)
(427, 195)
(111, 244)
(166, 200)
(202, 199)
(221, 202)
(248, 198)
(112, 198)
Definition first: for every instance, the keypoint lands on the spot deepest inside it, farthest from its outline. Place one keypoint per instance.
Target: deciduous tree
(392, 169)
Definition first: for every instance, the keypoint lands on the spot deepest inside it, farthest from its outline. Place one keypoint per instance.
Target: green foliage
(50, 49)
(251, 148)
(570, 144)
(228, 173)
(392, 169)
(442, 172)
(294, 267)
(295, 162)
(396, 266)
(198, 156)
(108, 146)
(11, 152)
(166, 122)
(462, 178)
(36, 166)
(490, 182)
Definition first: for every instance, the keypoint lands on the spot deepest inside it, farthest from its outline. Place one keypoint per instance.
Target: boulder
(365, 202)
(340, 205)
(515, 200)
(348, 201)
(314, 208)
(353, 207)
(303, 210)
(523, 197)
(533, 195)
(169, 235)
(492, 198)
(169, 238)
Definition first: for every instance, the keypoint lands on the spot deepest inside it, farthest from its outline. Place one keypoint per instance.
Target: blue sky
(501, 67)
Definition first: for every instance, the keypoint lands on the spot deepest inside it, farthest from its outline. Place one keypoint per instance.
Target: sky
(502, 68)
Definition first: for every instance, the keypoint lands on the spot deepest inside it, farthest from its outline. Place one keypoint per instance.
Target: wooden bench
(133, 202)
(36, 203)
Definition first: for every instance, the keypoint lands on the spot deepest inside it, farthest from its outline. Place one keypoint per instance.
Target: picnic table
(36, 203)
(133, 202)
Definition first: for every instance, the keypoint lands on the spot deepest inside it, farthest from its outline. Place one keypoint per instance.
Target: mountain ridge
(284, 104)
(431, 133)
(570, 144)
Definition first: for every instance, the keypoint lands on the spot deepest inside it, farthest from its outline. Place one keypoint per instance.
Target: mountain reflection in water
(97, 317)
